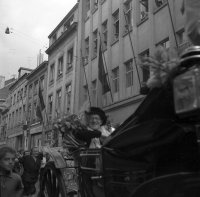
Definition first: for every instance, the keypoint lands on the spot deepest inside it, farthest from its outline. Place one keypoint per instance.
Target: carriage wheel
(52, 183)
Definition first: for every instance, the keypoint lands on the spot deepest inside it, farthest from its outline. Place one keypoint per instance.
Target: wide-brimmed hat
(98, 111)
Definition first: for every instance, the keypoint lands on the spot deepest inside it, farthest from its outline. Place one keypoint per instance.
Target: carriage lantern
(186, 86)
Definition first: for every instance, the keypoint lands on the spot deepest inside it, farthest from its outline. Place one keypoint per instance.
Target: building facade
(4, 108)
(125, 31)
(62, 58)
(36, 81)
(17, 111)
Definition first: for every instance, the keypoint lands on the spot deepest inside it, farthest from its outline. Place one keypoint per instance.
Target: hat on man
(98, 111)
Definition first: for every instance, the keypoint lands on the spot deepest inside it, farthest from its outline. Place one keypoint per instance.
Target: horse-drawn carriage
(153, 153)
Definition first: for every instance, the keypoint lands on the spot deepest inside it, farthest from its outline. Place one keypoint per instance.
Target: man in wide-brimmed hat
(95, 132)
(96, 120)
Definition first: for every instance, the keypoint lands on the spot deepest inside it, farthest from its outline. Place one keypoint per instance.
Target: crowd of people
(19, 172)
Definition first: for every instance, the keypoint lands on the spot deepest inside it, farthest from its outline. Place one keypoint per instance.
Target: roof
(5, 91)
(39, 68)
(64, 19)
(18, 80)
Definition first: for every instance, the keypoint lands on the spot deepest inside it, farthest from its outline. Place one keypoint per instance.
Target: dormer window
(68, 24)
(144, 8)
(160, 2)
(54, 37)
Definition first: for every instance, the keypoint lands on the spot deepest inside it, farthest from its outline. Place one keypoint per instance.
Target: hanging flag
(102, 73)
(39, 112)
(42, 105)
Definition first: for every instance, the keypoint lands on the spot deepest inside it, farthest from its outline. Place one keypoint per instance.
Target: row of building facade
(123, 30)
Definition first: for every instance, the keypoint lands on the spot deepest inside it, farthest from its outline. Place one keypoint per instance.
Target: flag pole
(86, 79)
(134, 58)
(170, 14)
(106, 69)
(25, 121)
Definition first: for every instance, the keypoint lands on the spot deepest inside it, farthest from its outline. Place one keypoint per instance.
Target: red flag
(102, 73)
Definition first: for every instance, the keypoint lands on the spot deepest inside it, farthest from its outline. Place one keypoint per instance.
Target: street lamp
(7, 31)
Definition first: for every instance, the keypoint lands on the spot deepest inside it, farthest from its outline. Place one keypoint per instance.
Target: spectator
(31, 164)
(10, 183)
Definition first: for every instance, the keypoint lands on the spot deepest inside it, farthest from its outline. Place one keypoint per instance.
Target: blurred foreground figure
(31, 164)
(191, 8)
(10, 183)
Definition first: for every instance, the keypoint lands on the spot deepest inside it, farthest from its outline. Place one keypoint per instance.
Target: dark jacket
(87, 135)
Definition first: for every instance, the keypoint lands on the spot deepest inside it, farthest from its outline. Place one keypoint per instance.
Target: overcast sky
(30, 21)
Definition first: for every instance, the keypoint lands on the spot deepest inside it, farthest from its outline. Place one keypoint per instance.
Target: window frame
(129, 73)
(94, 42)
(60, 66)
(128, 12)
(52, 73)
(143, 10)
(115, 80)
(105, 34)
(70, 58)
(115, 17)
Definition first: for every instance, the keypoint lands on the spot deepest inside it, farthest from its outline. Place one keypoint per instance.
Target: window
(35, 88)
(18, 96)
(30, 91)
(68, 24)
(60, 67)
(95, 4)
(29, 112)
(54, 38)
(116, 25)
(20, 114)
(181, 37)
(86, 50)
(146, 70)
(12, 120)
(70, 58)
(128, 15)
(25, 91)
(14, 99)
(34, 112)
(129, 73)
(165, 43)
(105, 34)
(94, 43)
(94, 90)
(160, 2)
(58, 103)
(52, 70)
(24, 113)
(21, 93)
(68, 98)
(115, 73)
(16, 117)
(50, 105)
(42, 83)
(85, 92)
(87, 6)
(144, 8)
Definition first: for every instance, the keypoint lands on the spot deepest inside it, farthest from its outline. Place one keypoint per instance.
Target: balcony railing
(182, 47)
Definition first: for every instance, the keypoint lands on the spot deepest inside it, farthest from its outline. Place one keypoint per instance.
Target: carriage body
(86, 173)
(155, 141)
